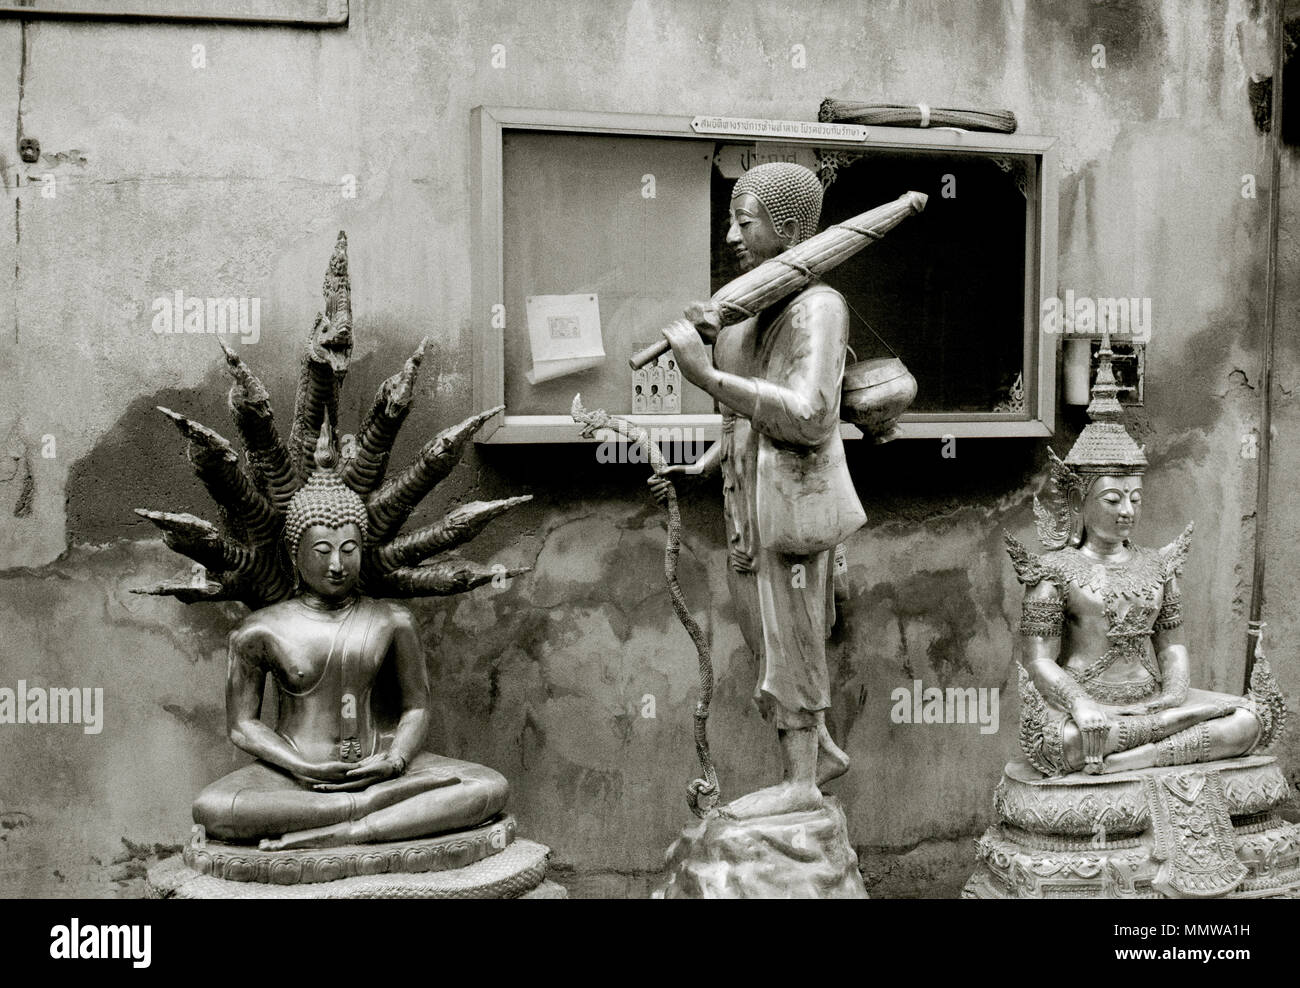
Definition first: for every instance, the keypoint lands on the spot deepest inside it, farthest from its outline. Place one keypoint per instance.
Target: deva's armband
(1042, 618)
(1171, 610)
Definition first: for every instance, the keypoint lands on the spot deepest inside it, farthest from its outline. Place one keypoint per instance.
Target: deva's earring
(1076, 529)
(1075, 503)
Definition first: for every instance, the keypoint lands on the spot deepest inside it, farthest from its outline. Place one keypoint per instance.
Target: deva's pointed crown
(1105, 448)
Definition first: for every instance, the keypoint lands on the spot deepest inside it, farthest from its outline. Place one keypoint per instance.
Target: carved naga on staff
(702, 793)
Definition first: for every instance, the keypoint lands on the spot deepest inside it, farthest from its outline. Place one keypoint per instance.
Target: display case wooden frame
(297, 13)
(1040, 349)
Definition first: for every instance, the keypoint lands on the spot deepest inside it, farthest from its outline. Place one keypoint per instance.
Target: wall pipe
(1270, 334)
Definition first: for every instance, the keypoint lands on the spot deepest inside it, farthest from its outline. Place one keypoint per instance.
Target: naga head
(307, 511)
(331, 338)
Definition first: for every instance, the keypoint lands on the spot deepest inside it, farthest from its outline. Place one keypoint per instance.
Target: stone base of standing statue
(791, 856)
(484, 862)
(1210, 830)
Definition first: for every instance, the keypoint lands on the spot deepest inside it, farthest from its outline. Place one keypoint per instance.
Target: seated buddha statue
(328, 773)
(1105, 681)
(311, 543)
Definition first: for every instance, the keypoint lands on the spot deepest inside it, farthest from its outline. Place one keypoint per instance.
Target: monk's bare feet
(784, 797)
(832, 762)
(332, 836)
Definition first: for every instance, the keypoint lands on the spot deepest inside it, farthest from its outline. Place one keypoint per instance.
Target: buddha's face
(329, 559)
(752, 237)
(1112, 507)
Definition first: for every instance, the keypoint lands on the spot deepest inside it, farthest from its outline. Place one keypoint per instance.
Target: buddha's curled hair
(285, 487)
(787, 191)
(324, 499)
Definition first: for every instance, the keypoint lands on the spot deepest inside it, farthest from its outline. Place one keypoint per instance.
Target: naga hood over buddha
(1105, 673)
(309, 539)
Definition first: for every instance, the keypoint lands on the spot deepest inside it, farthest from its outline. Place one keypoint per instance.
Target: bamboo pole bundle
(774, 279)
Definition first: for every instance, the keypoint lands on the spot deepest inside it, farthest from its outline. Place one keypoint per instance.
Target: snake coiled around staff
(702, 794)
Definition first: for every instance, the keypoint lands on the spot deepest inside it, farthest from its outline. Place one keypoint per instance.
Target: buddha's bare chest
(322, 655)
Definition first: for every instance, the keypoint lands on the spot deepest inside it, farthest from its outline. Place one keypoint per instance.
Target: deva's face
(751, 236)
(329, 559)
(1112, 507)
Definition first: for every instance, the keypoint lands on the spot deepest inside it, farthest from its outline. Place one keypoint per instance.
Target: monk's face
(752, 237)
(329, 559)
(1112, 507)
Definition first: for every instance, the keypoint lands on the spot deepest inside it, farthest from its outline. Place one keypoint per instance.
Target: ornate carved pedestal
(484, 862)
(1197, 831)
(792, 856)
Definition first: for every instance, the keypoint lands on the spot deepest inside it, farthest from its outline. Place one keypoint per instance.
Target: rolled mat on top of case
(914, 115)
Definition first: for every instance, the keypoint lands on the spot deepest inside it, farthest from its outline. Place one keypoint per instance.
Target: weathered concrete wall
(225, 181)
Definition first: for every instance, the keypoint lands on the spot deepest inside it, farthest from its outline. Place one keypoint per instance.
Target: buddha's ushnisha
(311, 538)
(1105, 682)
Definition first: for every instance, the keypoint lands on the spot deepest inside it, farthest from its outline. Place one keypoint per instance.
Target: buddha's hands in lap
(361, 775)
(313, 773)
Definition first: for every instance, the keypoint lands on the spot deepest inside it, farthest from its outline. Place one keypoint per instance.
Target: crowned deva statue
(1106, 696)
(311, 544)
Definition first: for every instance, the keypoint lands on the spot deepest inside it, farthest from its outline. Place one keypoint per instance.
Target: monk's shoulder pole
(702, 794)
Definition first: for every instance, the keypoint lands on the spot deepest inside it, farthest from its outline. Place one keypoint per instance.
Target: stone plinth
(245, 863)
(517, 872)
(791, 856)
(1209, 830)
(484, 862)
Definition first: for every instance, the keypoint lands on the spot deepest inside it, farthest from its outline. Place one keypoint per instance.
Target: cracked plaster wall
(225, 181)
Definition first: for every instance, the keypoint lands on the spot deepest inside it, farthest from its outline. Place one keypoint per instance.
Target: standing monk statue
(788, 499)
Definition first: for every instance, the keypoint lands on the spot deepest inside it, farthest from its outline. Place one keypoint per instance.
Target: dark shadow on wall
(140, 463)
